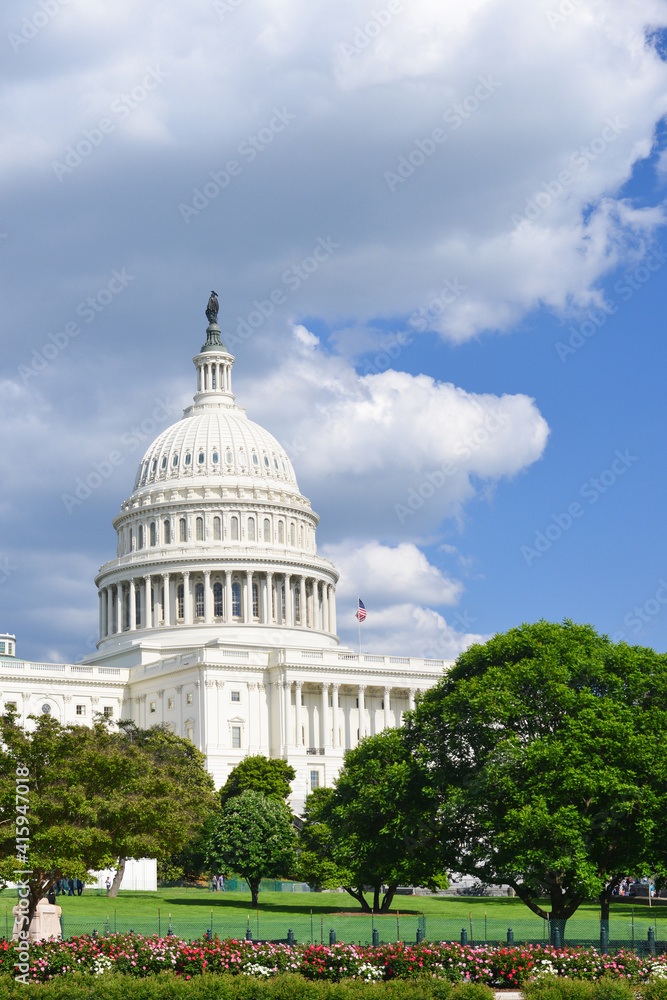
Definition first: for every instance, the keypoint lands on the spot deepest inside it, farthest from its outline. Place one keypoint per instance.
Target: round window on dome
(164, 462)
(154, 465)
(174, 461)
(266, 462)
(188, 458)
(275, 464)
(229, 458)
(201, 457)
(215, 458)
(255, 460)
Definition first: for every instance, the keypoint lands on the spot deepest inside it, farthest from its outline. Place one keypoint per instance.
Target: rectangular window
(152, 708)
(108, 711)
(170, 702)
(314, 780)
(236, 737)
(190, 734)
(188, 698)
(80, 709)
(2, 647)
(236, 695)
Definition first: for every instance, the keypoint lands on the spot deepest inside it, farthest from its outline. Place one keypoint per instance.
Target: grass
(193, 911)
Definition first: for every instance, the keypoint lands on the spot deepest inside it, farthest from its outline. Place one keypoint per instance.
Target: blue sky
(459, 210)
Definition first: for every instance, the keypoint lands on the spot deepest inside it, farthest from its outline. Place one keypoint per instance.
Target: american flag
(361, 610)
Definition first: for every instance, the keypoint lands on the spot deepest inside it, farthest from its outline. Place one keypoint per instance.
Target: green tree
(373, 827)
(546, 749)
(87, 797)
(269, 775)
(254, 836)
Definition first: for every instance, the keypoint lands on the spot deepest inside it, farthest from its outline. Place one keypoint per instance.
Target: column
(324, 721)
(228, 596)
(166, 606)
(266, 599)
(207, 597)
(334, 698)
(287, 690)
(362, 711)
(289, 620)
(387, 693)
(247, 598)
(303, 601)
(411, 699)
(101, 613)
(148, 614)
(133, 605)
(332, 610)
(297, 706)
(187, 603)
(325, 608)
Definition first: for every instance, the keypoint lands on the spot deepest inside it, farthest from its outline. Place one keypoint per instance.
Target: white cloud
(408, 630)
(391, 453)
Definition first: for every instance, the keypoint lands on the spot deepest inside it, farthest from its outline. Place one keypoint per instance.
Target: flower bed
(140, 957)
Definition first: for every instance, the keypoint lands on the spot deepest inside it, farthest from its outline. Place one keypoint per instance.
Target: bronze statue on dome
(212, 308)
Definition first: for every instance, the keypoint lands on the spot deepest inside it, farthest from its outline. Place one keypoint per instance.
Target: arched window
(199, 600)
(140, 542)
(174, 460)
(292, 535)
(297, 606)
(229, 458)
(255, 460)
(281, 533)
(201, 458)
(266, 461)
(154, 465)
(183, 530)
(188, 458)
(236, 600)
(234, 526)
(213, 377)
(215, 458)
(251, 529)
(217, 600)
(153, 533)
(255, 600)
(163, 463)
(217, 529)
(166, 531)
(180, 601)
(267, 530)
(199, 529)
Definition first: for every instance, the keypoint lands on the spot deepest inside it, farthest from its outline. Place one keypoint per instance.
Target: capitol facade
(217, 617)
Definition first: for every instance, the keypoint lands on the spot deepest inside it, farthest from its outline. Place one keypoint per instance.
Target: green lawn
(194, 910)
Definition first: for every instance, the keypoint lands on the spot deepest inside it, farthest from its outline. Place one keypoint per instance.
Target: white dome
(216, 446)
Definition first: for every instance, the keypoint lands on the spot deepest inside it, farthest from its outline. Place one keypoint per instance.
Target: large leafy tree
(374, 827)
(254, 836)
(92, 796)
(269, 775)
(546, 749)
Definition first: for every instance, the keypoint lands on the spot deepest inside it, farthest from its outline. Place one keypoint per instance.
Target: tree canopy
(270, 776)
(372, 828)
(93, 795)
(253, 835)
(546, 750)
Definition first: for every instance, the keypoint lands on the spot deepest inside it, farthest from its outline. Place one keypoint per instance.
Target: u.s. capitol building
(217, 617)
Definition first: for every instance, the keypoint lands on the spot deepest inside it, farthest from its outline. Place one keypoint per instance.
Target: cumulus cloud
(409, 630)
(391, 453)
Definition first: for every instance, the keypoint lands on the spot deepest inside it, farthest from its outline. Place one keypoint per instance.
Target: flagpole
(359, 623)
